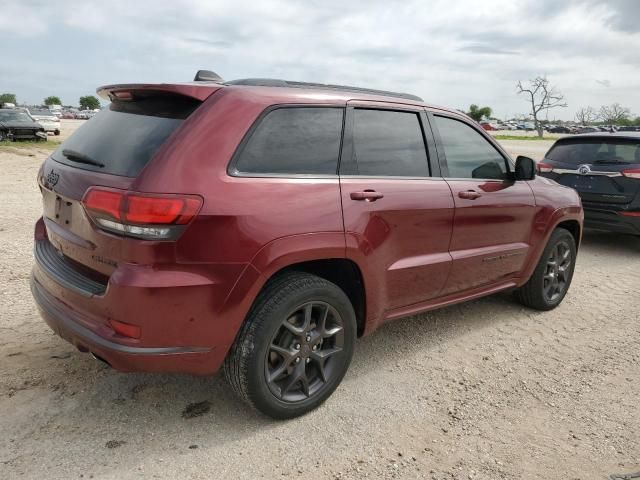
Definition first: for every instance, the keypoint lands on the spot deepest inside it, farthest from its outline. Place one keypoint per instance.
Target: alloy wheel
(304, 354)
(556, 275)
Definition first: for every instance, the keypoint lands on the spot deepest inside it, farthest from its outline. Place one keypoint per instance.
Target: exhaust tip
(100, 359)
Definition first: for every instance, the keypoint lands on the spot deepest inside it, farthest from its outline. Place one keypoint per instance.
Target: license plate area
(63, 211)
(588, 183)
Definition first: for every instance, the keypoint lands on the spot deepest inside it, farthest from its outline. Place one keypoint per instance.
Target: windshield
(596, 151)
(122, 138)
(14, 116)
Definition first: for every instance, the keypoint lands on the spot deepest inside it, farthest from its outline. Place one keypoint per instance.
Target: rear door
(396, 213)
(594, 165)
(493, 213)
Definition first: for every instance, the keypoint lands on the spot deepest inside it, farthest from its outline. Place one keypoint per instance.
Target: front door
(494, 214)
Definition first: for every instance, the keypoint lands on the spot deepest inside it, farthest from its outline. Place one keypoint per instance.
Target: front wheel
(552, 277)
(295, 346)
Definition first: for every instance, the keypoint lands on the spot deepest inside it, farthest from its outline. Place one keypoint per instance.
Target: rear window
(294, 140)
(125, 135)
(389, 143)
(596, 151)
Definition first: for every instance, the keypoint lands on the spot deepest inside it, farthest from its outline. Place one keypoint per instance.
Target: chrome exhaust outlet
(100, 359)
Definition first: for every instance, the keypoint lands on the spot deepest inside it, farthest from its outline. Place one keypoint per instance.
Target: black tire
(267, 332)
(539, 292)
(56, 132)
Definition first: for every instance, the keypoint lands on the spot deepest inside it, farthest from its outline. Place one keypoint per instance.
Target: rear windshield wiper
(80, 158)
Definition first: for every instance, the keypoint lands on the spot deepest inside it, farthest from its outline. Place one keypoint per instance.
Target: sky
(450, 52)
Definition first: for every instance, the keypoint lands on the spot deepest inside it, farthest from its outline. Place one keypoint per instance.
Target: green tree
(614, 114)
(52, 100)
(89, 102)
(478, 113)
(8, 98)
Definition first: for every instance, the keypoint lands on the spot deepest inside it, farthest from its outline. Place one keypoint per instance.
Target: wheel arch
(574, 227)
(569, 218)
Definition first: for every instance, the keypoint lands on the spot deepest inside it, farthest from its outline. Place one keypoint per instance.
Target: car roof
(279, 91)
(274, 82)
(604, 135)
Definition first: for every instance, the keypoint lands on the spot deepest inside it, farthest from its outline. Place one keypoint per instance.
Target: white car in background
(48, 120)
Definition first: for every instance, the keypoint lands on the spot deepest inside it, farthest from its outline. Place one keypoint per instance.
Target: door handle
(469, 195)
(367, 195)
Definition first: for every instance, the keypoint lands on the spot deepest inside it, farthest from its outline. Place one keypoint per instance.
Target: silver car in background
(49, 121)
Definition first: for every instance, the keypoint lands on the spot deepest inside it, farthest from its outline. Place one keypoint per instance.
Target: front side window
(389, 143)
(294, 140)
(468, 154)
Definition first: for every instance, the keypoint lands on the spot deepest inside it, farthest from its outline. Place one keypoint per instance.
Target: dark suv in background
(263, 225)
(605, 170)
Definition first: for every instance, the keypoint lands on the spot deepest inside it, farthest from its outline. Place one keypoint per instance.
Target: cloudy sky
(450, 52)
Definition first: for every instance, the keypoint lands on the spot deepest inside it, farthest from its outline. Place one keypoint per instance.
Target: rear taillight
(544, 168)
(630, 214)
(125, 329)
(632, 173)
(141, 215)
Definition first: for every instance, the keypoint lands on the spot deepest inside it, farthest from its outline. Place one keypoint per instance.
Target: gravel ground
(484, 390)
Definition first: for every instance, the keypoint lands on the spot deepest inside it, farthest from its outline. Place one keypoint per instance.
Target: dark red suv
(263, 225)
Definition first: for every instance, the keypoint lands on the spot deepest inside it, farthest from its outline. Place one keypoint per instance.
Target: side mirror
(525, 168)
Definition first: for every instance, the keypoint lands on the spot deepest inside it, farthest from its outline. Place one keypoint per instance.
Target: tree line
(86, 102)
(542, 96)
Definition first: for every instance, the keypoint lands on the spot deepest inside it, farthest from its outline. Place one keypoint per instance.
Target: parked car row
(77, 114)
(568, 129)
(491, 126)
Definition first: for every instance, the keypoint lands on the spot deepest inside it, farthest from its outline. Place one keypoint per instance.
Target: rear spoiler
(199, 91)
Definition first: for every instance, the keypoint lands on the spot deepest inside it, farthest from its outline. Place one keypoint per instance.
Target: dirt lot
(485, 390)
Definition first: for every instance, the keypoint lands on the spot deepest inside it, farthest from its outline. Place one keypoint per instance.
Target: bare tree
(542, 96)
(586, 115)
(613, 114)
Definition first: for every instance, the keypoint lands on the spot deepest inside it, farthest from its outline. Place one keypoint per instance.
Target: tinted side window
(296, 140)
(389, 143)
(468, 153)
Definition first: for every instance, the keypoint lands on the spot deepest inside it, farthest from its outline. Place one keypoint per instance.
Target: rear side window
(124, 136)
(389, 143)
(468, 153)
(294, 140)
(596, 151)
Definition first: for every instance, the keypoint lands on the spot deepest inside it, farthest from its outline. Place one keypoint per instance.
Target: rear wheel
(552, 277)
(295, 347)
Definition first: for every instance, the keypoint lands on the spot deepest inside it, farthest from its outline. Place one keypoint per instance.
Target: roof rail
(272, 82)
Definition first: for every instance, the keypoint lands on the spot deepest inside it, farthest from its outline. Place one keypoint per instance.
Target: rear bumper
(611, 221)
(71, 326)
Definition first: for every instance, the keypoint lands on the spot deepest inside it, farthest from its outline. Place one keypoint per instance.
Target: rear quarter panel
(256, 224)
